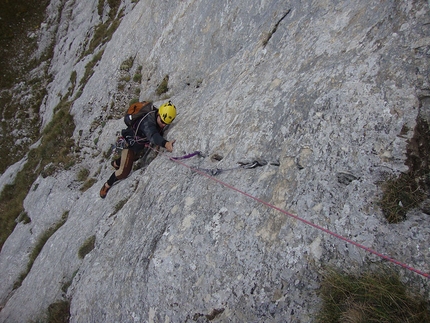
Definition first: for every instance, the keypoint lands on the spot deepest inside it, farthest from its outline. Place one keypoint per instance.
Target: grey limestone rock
(319, 90)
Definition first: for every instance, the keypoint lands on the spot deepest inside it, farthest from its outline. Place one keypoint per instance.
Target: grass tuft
(119, 206)
(409, 190)
(370, 297)
(39, 246)
(59, 312)
(83, 174)
(86, 247)
(137, 78)
(401, 194)
(163, 87)
(127, 64)
(55, 150)
(88, 184)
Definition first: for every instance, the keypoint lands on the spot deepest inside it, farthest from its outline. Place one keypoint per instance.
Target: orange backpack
(136, 111)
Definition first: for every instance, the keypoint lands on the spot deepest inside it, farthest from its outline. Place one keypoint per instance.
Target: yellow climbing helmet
(167, 112)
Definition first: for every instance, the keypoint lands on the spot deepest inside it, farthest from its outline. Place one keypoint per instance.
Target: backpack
(133, 117)
(136, 111)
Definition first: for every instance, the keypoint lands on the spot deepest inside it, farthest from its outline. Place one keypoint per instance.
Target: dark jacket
(148, 132)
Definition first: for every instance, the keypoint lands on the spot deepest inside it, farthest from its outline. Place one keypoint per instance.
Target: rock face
(317, 91)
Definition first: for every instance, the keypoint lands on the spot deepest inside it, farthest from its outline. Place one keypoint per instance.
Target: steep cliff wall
(327, 93)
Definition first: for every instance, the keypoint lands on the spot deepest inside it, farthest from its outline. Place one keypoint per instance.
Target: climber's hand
(169, 145)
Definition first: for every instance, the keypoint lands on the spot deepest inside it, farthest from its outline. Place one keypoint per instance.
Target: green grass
(370, 297)
(24, 218)
(39, 246)
(88, 184)
(104, 31)
(164, 86)
(407, 191)
(86, 247)
(89, 68)
(59, 312)
(137, 78)
(119, 206)
(401, 194)
(17, 18)
(83, 174)
(55, 150)
(127, 64)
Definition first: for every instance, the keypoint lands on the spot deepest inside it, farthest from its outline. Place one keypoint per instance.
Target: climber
(150, 129)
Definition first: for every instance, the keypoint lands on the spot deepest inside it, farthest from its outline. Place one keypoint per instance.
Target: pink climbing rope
(392, 260)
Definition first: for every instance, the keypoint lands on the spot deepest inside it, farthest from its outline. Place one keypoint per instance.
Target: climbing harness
(119, 145)
(136, 138)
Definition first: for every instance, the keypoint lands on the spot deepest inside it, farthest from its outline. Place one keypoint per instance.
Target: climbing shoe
(114, 165)
(104, 191)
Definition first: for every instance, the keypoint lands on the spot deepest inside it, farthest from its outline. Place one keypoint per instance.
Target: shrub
(100, 7)
(125, 79)
(73, 78)
(68, 283)
(102, 34)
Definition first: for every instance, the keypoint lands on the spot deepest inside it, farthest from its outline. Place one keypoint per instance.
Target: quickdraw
(217, 171)
(196, 153)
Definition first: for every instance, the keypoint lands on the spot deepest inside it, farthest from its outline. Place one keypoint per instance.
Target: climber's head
(167, 112)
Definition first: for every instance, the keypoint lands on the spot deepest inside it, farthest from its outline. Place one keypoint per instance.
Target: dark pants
(125, 163)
